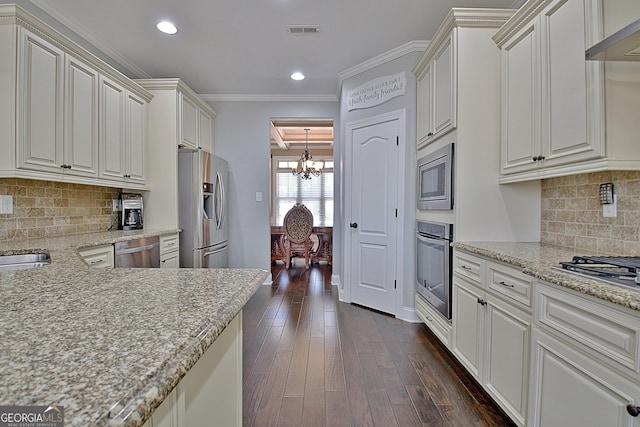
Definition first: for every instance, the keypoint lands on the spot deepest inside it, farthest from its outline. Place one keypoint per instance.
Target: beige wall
(572, 214)
(42, 208)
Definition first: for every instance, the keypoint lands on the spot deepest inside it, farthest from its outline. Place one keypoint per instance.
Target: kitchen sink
(24, 261)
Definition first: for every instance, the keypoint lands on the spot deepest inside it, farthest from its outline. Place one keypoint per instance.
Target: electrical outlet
(611, 210)
(6, 205)
(117, 205)
(258, 196)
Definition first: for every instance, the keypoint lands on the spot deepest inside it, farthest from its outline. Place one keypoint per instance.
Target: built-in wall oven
(435, 179)
(433, 264)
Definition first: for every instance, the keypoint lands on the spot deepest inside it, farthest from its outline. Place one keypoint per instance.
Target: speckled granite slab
(108, 344)
(538, 260)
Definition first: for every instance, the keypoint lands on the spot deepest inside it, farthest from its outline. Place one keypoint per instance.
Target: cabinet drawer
(169, 243)
(99, 256)
(434, 321)
(612, 334)
(469, 266)
(510, 282)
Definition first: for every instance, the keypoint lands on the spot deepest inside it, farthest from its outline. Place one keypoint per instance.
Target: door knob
(353, 225)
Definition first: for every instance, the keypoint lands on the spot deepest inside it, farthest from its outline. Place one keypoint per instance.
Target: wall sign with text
(377, 91)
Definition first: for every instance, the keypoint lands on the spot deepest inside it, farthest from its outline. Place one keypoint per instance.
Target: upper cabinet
(195, 121)
(178, 118)
(556, 106)
(66, 116)
(437, 88)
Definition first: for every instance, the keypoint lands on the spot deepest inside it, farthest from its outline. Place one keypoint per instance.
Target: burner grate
(625, 262)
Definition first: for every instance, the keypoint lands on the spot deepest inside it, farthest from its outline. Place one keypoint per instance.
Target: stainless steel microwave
(435, 179)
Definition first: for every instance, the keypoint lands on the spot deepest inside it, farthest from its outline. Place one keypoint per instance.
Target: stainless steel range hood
(623, 45)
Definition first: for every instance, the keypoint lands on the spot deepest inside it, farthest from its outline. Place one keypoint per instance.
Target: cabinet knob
(430, 134)
(481, 301)
(633, 410)
(353, 225)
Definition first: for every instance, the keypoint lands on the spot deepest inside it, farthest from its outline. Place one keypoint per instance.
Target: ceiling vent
(303, 30)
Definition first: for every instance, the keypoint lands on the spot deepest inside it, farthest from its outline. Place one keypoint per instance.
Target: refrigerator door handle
(217, 251)
(219, 210)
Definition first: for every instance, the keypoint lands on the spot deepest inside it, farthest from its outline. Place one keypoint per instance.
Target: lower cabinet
(433, 319)
(491, 339)
(211, 392)
(569, 389)
(169, 251)
(98, 256)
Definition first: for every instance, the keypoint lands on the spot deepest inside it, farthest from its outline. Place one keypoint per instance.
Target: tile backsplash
(46, 209)
(572, 214)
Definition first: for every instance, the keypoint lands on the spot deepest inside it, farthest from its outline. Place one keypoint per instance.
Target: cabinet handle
(481, 301)
(506, 284)
(430, 134)
(633, 410)
(96, 262)
(464, 267)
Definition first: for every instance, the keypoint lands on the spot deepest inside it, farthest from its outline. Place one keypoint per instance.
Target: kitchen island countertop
(538, 260)
(108, 344)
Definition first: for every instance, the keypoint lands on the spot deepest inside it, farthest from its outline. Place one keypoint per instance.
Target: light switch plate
(117, 205)
(6, 205)
(258, 196)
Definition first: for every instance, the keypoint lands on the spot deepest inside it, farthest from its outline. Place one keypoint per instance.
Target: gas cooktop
(615, 270)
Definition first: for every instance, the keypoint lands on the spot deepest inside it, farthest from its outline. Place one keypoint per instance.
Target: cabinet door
(170, 260)
(81, 125)
(444, 87)
(569, 84)
(507, 357)
(569, 389)
(520, 134)
(468, 325)
(112, 129)
(425, 118)
(136, 146)
(188, 122)
(41, 83)
(205, 128)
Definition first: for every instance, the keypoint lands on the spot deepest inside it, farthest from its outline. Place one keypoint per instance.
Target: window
(315, 193)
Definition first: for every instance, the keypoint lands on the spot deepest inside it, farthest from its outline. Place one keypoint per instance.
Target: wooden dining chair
(296, 240)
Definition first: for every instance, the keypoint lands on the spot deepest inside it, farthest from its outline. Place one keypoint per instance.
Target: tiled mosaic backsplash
(572, 213)
(42, 208)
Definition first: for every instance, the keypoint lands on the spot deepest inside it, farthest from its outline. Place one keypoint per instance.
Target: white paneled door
(372, 218)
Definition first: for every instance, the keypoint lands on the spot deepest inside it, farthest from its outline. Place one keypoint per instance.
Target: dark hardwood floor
(310, 360)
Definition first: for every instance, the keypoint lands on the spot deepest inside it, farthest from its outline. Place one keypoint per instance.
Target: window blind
(315, 193)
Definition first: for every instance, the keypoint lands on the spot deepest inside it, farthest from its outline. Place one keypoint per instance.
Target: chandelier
(306, 167)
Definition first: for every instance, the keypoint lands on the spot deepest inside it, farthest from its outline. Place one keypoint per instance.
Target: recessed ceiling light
(167, 27)
(297, 76)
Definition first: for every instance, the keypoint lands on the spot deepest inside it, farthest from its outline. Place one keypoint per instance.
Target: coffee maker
(131, 214)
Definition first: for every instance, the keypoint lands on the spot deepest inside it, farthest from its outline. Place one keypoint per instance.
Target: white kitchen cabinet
(206, 130)
(81, 122)
(98, 256)
(122, 134)
(189, 132)
(196, 122)
(571, 390)
(586, 355)
(211, 391)
(169, 251)
(433, 320)
(166, 130)
(57, 97)
(436, 72)
(554, 120)
(41, 101)
(491, 332)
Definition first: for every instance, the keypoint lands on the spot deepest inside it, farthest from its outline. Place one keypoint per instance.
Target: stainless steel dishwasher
(142, 253)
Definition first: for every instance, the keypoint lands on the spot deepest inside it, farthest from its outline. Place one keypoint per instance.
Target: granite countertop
(108, 344)
(538, 260)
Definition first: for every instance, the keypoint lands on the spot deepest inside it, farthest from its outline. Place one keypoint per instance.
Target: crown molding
(462, 18)
(48, 6)
(388, 56)
(522, 17)
(267, 98)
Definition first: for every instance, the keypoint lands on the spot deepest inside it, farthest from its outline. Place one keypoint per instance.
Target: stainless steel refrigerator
(202, 209)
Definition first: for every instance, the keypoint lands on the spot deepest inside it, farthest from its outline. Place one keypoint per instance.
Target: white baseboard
(268, 281)
(408, 314)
